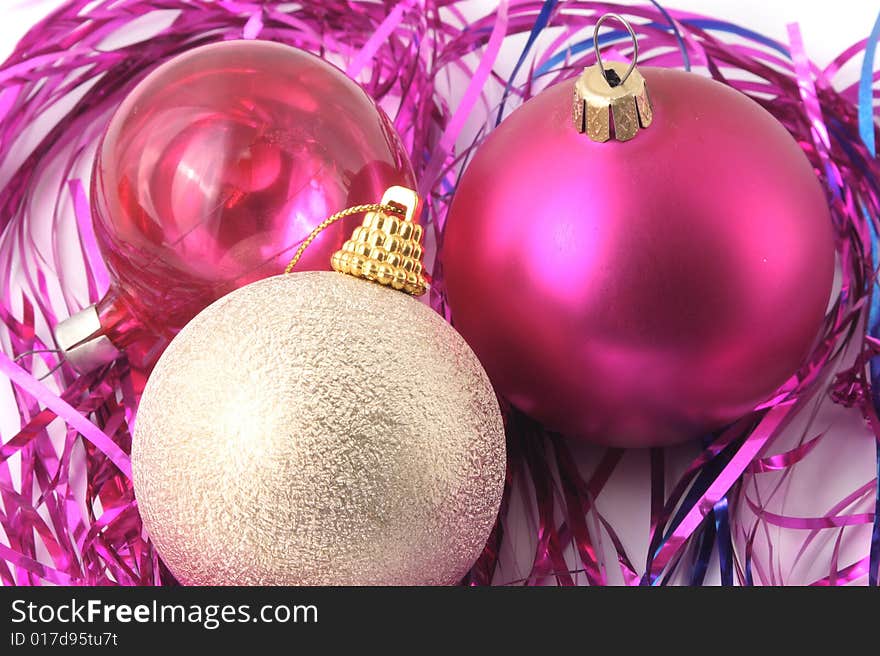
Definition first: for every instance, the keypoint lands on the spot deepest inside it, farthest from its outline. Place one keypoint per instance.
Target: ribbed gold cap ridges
(387, 248)
(604, 111)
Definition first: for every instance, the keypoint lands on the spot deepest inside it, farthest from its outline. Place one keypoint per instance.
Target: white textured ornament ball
(317, 429)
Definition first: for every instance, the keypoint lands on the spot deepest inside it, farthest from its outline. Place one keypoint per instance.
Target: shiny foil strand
(867, 131)
(98, 538)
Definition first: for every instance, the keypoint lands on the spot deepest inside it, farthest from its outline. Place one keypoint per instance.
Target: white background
(828, 27)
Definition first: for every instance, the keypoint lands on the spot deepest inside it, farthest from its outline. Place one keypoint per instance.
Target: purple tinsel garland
(68, 515)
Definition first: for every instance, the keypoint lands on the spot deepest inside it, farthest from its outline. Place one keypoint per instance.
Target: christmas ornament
(48, 126)
(645, 268)
(315, 429)
(210, 173)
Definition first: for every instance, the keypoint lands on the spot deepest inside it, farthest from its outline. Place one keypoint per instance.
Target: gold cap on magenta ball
(611, 98)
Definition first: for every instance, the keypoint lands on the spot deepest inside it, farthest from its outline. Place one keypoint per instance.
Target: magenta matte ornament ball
(641, 292)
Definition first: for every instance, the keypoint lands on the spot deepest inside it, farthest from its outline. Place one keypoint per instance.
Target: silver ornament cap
(82, 343)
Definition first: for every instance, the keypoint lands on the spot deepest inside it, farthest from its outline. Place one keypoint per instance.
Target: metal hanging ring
(35, 352)
(635, 42)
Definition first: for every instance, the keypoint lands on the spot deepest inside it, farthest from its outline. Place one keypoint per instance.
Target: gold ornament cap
(386, 248)
(611, 99)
